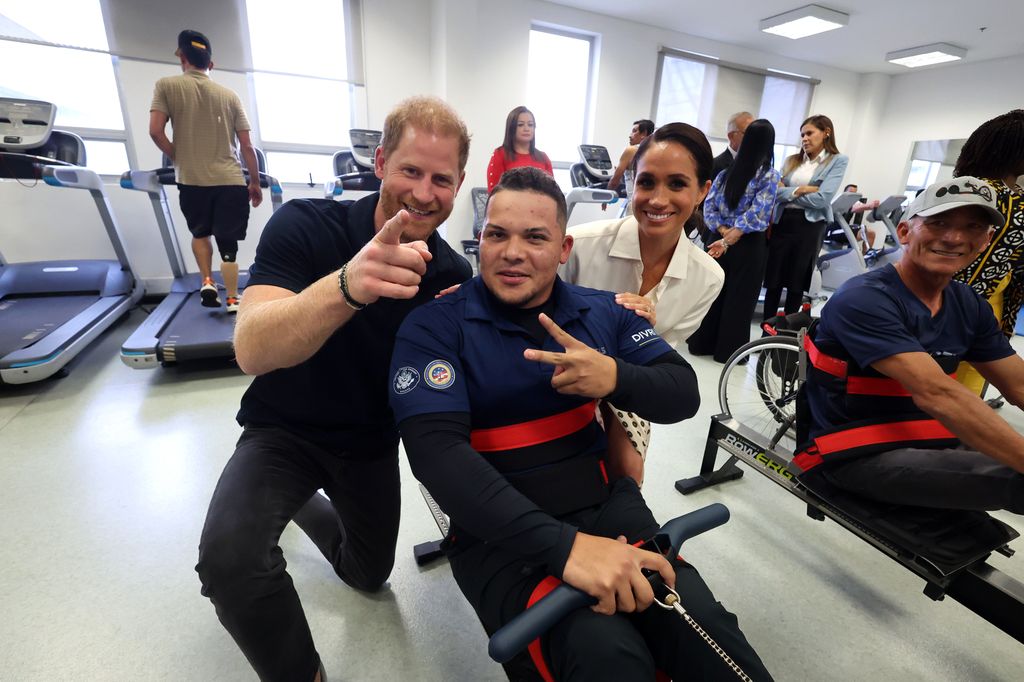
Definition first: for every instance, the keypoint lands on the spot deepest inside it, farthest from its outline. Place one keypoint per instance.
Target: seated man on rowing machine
(500, 426)
(887, 419)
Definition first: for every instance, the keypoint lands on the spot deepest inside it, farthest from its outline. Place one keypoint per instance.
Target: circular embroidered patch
(405, 380)
(439, 374)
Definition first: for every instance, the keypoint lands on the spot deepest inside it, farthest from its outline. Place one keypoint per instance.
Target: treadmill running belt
(25, 320)
(197, 333)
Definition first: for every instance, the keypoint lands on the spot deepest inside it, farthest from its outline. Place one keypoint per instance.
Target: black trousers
(589, 646)
(956, 478)
(792, 253)
(271, 479)
(726, 326)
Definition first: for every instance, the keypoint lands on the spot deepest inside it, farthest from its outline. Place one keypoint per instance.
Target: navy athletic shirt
(458, 370)
(875, 316)
(458, 354)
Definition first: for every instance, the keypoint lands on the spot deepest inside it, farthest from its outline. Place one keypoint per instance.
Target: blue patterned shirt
(754, 211)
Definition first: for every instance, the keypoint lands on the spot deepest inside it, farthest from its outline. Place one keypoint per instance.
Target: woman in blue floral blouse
(739, 208)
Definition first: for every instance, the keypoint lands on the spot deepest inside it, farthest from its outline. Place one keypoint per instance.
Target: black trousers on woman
(792, 251)
(726, 326)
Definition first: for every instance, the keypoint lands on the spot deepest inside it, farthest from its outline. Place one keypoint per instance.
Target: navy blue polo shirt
(875, 316)
(459, 354)
(338, 398)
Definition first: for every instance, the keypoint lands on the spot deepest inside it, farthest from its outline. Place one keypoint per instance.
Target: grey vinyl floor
(105, 476)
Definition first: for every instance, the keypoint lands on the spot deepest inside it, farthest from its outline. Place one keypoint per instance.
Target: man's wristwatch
(343, 285)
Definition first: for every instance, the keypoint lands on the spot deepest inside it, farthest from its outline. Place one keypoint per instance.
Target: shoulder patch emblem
(406, 379)
(439, 374)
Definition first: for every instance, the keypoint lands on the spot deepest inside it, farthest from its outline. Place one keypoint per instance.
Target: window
(61, 52)
(302, 85)
(106, 157)
(705, 92)
(81, 84)
(78, 23)
(283, 117)
(300, 168)
(781, 152)
(559, 90)
(931, 161)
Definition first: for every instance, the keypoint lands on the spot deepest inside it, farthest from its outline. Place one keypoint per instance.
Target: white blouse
(606, 255)
(803, 173)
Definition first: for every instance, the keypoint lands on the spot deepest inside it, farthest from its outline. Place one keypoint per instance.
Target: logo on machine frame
(439, 374)
(406, 379)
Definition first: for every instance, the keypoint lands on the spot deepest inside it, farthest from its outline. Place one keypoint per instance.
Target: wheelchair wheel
(758, 387)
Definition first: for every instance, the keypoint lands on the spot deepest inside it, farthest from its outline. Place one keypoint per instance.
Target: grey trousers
(957, 478)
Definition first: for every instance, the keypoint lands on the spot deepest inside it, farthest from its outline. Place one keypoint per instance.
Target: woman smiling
(646, 257)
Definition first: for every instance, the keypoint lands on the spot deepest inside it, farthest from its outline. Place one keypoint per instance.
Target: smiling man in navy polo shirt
(495, 389)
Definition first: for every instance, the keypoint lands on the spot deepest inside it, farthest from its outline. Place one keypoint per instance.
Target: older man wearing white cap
(887, 419)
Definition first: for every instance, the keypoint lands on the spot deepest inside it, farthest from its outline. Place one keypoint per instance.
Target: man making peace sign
(495, 389)
(330, 285)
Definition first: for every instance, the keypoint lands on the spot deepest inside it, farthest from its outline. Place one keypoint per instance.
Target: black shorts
(221, 210)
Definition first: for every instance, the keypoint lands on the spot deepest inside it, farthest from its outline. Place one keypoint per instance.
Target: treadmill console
(25, 123)
(364, 145)
(596, 160)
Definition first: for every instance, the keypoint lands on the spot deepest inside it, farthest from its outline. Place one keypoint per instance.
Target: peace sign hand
(580, 370)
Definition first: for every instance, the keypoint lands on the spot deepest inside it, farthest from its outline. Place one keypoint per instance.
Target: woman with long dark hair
(648, 260)
(803, 208)
(995, 153)
(739, 209)
(519, 147)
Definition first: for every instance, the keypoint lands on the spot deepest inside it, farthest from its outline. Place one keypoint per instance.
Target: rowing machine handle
(517, 634)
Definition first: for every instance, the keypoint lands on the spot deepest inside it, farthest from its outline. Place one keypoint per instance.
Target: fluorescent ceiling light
(804, 22)
(926, 55)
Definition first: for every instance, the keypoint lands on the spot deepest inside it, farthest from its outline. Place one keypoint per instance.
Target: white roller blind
(705, 94)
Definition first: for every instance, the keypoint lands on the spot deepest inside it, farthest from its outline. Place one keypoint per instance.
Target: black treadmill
(180, 329)
(51, 310)
(354, 168)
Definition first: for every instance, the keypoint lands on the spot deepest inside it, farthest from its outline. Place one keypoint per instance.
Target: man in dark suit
(737, 126)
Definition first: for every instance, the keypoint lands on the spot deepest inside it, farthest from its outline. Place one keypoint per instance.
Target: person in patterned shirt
(995, 153)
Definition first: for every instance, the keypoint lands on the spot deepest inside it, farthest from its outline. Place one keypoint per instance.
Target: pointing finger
(392, 231)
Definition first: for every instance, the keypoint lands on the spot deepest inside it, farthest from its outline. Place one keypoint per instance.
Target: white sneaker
(208, 294)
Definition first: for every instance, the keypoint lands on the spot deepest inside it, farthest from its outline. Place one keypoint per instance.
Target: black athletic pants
(726, 326)
(271, 479)
(955, 478)
(593, 647)
(792, 256)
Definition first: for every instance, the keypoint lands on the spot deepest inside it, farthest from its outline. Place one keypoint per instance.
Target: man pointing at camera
(330, 285)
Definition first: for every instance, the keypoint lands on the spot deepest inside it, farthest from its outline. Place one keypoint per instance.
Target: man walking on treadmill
(206, 118)
(330, 285)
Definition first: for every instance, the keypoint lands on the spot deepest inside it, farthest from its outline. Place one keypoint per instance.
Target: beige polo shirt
(204, 116)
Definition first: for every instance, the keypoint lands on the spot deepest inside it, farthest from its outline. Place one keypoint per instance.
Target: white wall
(934, 104)
(475, 56)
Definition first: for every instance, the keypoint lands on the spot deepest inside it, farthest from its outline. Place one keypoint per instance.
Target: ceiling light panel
(805, 21)
(926, 55)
